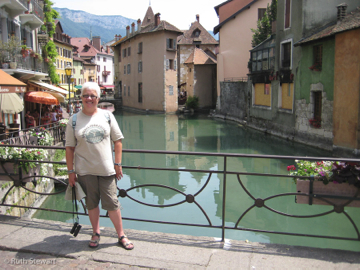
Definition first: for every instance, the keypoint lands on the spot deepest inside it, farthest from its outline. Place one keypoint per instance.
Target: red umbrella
(41, 97)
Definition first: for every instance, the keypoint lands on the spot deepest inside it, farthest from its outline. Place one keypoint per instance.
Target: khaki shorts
(96, 187)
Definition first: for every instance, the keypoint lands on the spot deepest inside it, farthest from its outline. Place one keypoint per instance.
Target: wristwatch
(117, 164)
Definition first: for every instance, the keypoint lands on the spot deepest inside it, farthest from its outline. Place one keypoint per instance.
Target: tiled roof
(148, 18)
(163, 25)
(75, 58)
(350, 21)
(199, 57)
(188, 37)
(217, 28)
(81, 43)
(150, 28)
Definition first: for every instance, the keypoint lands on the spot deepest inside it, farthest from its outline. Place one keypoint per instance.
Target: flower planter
(344, 190)
(8, 168)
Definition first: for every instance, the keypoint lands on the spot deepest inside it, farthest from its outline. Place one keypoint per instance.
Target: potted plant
(4, 54)
(326, 178)
(14, 48)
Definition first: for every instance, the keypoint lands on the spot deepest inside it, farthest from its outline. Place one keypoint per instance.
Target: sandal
(126, 244)
(96, 242)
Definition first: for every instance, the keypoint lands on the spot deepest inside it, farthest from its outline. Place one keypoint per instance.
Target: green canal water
(203, 134)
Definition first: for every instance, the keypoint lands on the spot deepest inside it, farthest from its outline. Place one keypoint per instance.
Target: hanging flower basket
(333, 189)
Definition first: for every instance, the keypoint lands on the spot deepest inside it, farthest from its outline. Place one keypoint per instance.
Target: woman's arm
(70, 151)
(118, 158)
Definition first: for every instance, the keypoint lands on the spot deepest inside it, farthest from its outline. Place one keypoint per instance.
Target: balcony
(15, 7)
(33, 16)
(106, 73)
(28, 67)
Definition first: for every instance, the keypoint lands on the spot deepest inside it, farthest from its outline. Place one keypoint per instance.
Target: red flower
(291, 167)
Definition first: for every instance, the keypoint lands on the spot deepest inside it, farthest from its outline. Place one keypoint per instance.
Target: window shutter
(175, 65)
(168, 43)
(174, 43)
(167, 64)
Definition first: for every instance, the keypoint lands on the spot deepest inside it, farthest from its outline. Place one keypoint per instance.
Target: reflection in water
(202, 134)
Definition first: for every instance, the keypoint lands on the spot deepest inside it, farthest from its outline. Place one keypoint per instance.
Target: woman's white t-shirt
(93, 144)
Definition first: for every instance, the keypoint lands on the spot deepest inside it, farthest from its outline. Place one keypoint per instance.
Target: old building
(236, 18)
(64, 50)
(294, 95)
(330, 78)
(146, 65)
(197, 65)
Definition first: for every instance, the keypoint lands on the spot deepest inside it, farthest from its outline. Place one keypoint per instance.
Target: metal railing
(194, 200)
(23, 137)
(236, 79)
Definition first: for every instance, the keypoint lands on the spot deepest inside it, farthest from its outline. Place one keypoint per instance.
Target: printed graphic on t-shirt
(94, 134)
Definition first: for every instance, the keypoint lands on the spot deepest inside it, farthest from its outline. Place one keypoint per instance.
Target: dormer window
(196, 32)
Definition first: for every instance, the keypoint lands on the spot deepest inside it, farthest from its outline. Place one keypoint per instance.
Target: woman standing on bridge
(89, 159)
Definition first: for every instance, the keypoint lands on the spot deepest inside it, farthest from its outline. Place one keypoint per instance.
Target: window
(124, 90)
(104, 59)
(287, 13)
(98, 58)
(318, 56)
(286, 54)
(262, 94)
(172, 136)
(129, 51)
(170, 44)
(124, 52)
(171, 90)
(261, 12)
(128, 69)
(140, 67)
(98, 68)
(125, 69)
(170, 64)
(196, 33)
(317, 104)
(140, 47)
(129, 90)
(287, 90)
(140, 92)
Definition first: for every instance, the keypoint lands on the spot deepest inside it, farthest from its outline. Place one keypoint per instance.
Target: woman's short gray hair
(91, 86)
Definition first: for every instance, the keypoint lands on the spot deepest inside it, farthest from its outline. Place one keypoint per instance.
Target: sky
(179, 13)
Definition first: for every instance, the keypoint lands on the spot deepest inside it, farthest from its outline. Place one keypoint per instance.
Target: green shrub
(192, 102)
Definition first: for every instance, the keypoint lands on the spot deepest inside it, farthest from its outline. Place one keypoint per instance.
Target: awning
(108, 86)
(49, 87)
(9, 84)
(78, 86)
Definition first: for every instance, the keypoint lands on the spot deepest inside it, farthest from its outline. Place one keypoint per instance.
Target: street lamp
(68, 71)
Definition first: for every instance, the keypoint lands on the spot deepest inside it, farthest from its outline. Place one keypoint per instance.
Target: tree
(263, 30)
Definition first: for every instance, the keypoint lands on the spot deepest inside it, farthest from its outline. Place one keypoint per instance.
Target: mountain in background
(78, 23)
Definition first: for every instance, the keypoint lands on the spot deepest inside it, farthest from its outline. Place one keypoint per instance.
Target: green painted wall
(308, 77)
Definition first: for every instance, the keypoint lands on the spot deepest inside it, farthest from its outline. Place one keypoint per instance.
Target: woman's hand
(72, 179)
(119, 173)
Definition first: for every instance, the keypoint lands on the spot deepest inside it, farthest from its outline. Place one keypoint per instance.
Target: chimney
(127, 31)
(198, 18)
(132, 28)
(341, 11)
(138, 25)
(157, 19)
(96, 42)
